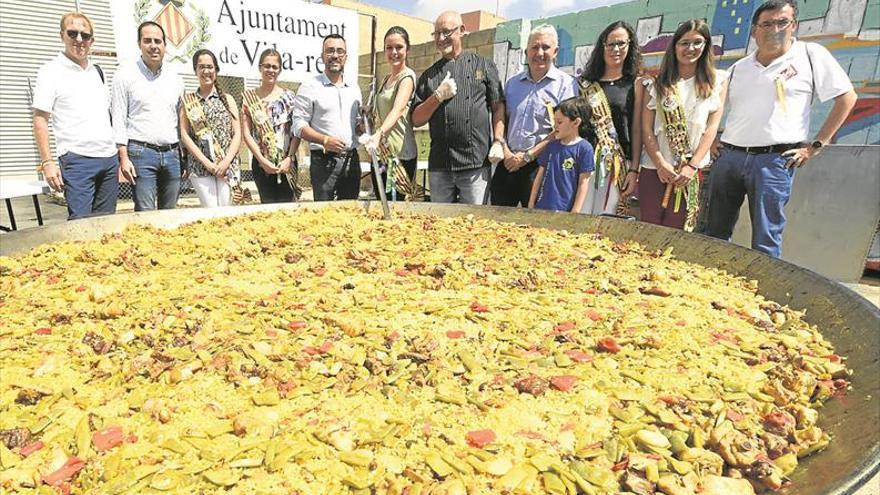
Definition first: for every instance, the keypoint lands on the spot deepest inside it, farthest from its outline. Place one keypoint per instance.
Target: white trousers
(212, 191)
(595, 204)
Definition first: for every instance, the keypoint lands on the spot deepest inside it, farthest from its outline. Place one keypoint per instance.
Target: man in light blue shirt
(531, 95)
(145, 123)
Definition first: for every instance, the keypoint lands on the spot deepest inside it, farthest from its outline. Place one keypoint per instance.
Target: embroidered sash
(195, 114)
(265, 130)
(674, 119)
(609, 157)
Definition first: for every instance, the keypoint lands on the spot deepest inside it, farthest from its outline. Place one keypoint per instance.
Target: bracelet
(633, 170)
(326, 138)
(688, 164)
(43, 164)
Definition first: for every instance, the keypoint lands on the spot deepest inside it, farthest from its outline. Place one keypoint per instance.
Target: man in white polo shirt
(766, 136)
(71, 91)
(145, 122)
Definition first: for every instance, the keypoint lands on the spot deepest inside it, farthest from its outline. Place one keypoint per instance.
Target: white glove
(364, 140)
(496, 153)
(447, 88)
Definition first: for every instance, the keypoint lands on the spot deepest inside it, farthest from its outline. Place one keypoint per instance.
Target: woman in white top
(679, 123)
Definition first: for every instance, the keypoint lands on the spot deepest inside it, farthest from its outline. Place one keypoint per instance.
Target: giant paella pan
(452, 350)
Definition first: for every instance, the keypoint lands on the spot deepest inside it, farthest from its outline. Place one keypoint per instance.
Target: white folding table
(15, 188)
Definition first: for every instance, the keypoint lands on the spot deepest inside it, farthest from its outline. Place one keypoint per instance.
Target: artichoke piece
(8, 458)
(652, 441)
(516, 476)
(786, 463)
(595, 475)
(222, 477)
(438, 465)
(268, 397)
(359, 480)
(553, 484)
(165, 481)
(360, 457)
(83, 437)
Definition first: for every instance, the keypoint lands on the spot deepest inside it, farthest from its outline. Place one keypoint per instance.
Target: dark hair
(400, 31)
(705, 72)
(632, 64)
(576, 108)
(270, 52)
(332, 36)
(205, 51)
(774, 5)
(150, 23)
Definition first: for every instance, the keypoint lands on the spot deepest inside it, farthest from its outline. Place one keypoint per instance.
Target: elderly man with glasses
(766, 136)
(325, 113)
(461, 99)
(71, 91)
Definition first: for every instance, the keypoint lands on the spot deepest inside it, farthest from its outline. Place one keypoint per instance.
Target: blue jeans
(766, 180)
(158, 177)
(91, 185)
(471, 185)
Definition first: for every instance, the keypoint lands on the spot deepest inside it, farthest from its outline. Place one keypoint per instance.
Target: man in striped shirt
(462, 100)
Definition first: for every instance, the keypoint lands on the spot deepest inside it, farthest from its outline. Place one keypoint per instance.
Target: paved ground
(53, 213)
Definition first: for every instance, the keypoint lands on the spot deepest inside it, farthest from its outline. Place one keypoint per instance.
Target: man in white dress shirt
(145, 125)
(71, 92)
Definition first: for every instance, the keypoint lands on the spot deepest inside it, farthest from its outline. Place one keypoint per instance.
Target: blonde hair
(77, 15)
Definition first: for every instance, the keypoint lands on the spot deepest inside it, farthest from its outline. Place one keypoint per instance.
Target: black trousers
(408, 165)
(273, 188)
(335, 176)
(513, 189)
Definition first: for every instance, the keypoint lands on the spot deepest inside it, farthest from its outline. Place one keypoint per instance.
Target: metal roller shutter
(28, 38)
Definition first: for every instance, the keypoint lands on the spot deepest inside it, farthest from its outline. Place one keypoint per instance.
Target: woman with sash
(608, 83)
(681, 118)
(266, 125)
(209, 131)
(393, 136)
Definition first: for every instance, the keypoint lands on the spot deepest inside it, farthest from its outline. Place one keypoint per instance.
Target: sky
(511, 9)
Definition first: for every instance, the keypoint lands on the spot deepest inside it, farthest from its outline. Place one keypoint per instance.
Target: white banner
(237, 31)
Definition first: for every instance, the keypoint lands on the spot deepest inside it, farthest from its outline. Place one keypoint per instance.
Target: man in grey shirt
(145, 123)
(325, 113)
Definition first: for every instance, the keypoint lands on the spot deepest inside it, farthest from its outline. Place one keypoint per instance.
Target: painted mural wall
(850, 29)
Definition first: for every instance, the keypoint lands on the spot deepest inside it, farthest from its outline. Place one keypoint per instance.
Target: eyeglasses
(445, 33)
(696, 44)
(334, 51)
(271, 67)
(780, 24)
(616, 45)
(73, 34)
(205, 67)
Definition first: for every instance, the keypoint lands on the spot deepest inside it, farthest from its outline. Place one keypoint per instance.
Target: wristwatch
(527, 157)
(817, 145)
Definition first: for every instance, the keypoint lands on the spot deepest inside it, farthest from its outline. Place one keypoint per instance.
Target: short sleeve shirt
(563, 164)
(461, 128)
(758, 116)
(79, 103)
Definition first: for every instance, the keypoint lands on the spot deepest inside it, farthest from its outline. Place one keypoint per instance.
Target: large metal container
(850, 322)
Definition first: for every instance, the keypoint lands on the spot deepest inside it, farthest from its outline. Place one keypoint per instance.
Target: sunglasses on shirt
(73, 34)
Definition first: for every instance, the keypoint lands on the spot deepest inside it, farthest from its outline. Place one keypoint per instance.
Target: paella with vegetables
(313, 352)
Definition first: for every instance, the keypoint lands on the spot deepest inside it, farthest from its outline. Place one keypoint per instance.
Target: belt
(155, 147)
(345, 153)
(763, 150)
